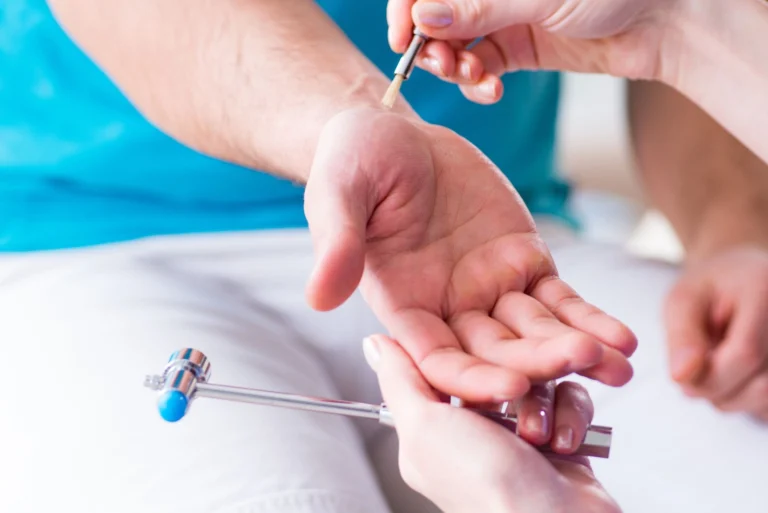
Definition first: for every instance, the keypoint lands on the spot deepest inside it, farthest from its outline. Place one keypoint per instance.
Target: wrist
(710, 55)
(360, 90)
(687, 32)
(727, 230)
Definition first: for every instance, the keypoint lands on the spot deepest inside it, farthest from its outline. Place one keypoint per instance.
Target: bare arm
(248, 81)
(718, 57)
(713, 190)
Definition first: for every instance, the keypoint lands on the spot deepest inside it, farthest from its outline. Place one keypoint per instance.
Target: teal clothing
(80, 166)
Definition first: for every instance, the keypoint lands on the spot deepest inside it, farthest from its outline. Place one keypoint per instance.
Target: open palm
(450, 261)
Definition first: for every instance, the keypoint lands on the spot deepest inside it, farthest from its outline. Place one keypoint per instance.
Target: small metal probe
(404, 67)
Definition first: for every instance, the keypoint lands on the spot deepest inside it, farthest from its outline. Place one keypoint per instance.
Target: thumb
(337, 215)
(689, 342)
(468, 19)
(404, 389)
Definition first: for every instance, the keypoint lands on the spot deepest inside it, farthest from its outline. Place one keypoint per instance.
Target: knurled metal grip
(408, 60)
(185, 369)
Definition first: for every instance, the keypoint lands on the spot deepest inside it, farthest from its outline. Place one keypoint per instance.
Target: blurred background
(595, 154)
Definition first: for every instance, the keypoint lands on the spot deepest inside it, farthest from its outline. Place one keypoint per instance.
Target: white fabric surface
(78, 432)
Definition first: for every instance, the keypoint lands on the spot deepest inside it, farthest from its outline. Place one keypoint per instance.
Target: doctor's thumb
(402, 385)
(468, 19)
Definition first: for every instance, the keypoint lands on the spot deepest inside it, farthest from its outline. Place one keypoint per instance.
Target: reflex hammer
(185, 378)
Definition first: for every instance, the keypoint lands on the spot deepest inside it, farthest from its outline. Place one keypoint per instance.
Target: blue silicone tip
(172, 405)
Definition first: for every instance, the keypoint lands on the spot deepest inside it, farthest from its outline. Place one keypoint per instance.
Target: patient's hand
(465, 463)
(717, 324)
(450, 261)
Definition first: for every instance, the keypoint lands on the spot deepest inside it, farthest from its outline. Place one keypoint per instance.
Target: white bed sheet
(670, 452)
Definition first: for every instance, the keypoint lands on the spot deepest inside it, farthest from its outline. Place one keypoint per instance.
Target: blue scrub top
(80, 166)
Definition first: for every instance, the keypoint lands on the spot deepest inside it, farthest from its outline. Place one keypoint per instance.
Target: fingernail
(564, 438)
(433, 14)
(538, 423)
(371, 353)
(432, 65)
(488, 90)
(465, 71)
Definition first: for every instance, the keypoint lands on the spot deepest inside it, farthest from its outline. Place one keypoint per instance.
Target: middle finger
(535, 414)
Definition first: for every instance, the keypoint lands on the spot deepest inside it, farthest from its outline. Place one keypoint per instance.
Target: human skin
(465, 463)
(708, 50)
(388, 197)
(710, 185)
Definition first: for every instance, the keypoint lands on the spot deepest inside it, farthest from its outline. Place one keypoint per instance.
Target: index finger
(400, 24)
(573, 414)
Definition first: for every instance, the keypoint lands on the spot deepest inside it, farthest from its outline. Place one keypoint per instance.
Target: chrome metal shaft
(408, 60)
(597, 442)
(185, 379)
(283, 400)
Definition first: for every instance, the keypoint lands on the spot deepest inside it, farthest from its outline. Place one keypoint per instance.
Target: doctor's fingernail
(433, 66)
(433, 14)
(564, 438)
(487, 89)
(465, 70)
(371, 352)
(538, 422)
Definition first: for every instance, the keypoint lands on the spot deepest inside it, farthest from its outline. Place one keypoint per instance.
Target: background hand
(619, 37)
(464, 462)
(717, 324)
(450, 261)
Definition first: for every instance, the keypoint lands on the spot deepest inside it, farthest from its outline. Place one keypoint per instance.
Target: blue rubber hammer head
(185, 369)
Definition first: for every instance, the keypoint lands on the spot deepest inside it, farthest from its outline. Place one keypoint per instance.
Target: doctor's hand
(465, 463)
(717, 325)
(449, 259)
(626, 38)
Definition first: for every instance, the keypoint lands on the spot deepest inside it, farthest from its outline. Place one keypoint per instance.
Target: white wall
(595, 154)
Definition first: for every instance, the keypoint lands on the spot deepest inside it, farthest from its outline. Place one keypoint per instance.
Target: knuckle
(542, 321)
(577, 398)
(564, 302)
(474, 12)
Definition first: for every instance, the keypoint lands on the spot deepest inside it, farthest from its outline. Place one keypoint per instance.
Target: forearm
(718, 57)
(248, 81)
(713, 190)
